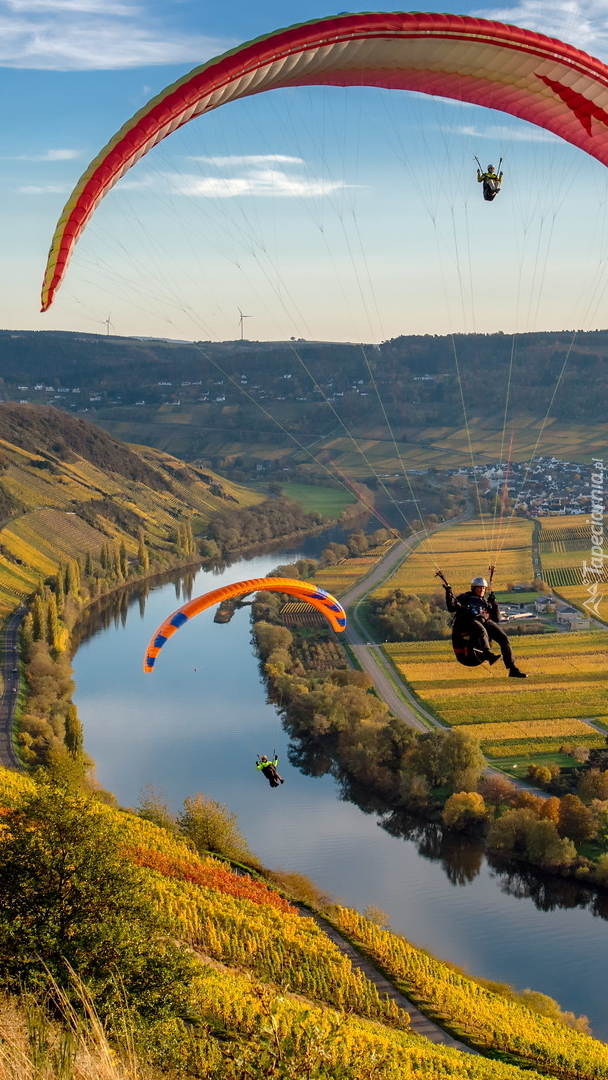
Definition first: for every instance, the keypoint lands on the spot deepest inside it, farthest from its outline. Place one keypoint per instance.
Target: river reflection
(197, 724)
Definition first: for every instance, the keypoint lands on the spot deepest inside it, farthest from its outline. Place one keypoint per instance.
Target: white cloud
(259, 182)
(503, 134)
(78, 35)
(45, 189)
(582, 24)
(251, 159)
(48, 155)
(94, 7)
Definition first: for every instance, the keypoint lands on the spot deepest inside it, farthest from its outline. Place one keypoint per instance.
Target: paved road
(390, 687)
(10, 675)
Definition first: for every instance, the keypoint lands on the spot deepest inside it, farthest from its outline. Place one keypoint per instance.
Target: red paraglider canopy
(537, 78)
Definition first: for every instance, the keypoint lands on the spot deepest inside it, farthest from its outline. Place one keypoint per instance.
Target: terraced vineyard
(258, 958)
(49, 525)
(564, 546)
(566, 683)
(473, 1012)
(338, 579)
(462, 553)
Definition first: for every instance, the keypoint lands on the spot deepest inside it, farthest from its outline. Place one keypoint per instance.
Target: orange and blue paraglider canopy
(302, 590)
(537, 78)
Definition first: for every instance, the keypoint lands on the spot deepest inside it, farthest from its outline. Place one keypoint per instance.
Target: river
(196, 725)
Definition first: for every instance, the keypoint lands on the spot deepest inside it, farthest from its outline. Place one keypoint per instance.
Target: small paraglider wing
(302, 590)
(486, 63)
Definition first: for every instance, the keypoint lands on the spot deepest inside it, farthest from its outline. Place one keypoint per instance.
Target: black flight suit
(479, 616)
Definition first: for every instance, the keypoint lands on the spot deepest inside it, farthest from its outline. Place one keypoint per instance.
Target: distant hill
(56, 435)
(68, 488)
(217, 402)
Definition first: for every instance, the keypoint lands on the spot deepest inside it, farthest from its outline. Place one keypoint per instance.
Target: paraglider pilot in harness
(491, 180)
(478, 615)
(269, 768)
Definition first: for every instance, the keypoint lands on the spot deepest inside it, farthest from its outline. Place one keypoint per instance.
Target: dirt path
(419, 1022)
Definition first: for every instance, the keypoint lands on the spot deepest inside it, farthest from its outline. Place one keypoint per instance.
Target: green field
(520, 762)
(516, 597)
(330, 502)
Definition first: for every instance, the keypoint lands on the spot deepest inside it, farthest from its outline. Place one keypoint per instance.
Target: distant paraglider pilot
(491, 181)
(269, 768)
(477, 615)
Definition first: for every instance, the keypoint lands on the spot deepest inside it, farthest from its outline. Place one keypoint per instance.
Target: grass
(517, 761)
(516, 597)
(330, 502)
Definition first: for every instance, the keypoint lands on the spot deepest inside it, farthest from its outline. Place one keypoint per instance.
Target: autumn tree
(153, 806)
(466, 812)
(451, 758)
(212, 827)
(545, 847)
(74, 739)
(497, 791)
(52, 624)
(549, 811)
(462, 761)
(575, 819)
(269, 638)
(70, 898)
(593, 784)
(521, 832)
(143, 559)
(39, 627)
(123, 560)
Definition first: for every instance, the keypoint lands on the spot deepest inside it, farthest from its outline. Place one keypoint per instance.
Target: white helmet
(480, 581)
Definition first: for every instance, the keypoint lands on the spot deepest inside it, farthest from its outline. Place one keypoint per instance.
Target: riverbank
(51, 633)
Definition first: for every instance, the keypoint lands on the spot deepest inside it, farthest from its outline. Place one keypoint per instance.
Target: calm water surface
(196, 725)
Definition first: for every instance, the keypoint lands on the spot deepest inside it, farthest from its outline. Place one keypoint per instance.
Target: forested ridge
(416, 375)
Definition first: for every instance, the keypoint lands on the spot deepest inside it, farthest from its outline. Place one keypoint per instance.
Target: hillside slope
(264, 991)
(68, 488)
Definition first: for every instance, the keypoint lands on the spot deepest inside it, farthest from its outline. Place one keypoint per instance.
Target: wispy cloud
(48, 155)
(93, 7)
(526, 133)
(77, 35)
(45, 189)
(582, 24)
(258, 182)
(250, 159)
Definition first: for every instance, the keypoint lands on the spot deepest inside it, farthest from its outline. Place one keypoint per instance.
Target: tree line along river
(196, 725)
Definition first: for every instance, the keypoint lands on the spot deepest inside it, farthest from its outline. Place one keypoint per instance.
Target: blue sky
(320, 213)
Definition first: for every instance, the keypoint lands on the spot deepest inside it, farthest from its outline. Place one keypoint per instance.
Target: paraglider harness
(468, 648)
(269, 769)
(491, 181)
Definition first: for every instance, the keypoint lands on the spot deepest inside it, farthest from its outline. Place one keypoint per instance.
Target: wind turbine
(241, 320)
(108, 323)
